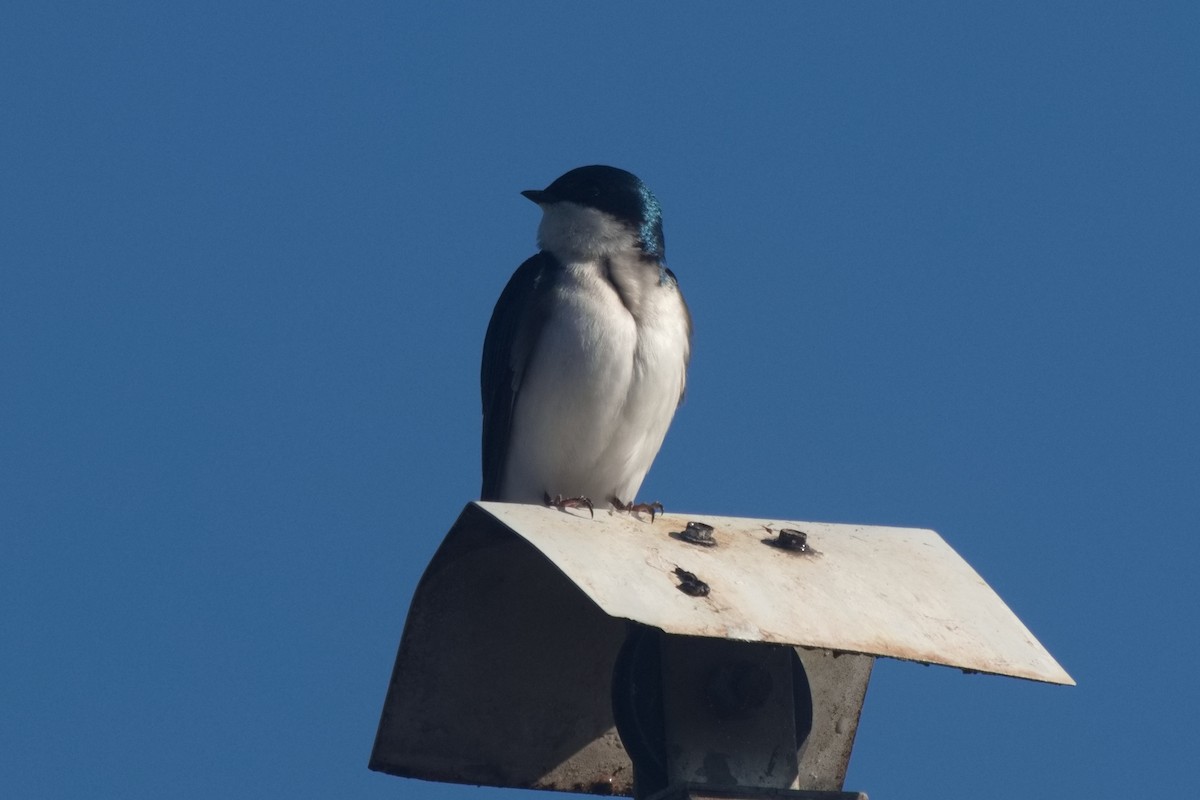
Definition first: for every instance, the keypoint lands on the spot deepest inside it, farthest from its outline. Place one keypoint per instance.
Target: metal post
(704, 717)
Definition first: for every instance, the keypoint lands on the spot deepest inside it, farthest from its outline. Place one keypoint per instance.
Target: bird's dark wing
(512, 335)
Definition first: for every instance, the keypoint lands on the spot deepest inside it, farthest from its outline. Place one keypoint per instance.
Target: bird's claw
(563, 503)
(638, 508)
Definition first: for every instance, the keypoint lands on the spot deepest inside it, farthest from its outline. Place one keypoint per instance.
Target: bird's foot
(563, 503)
(638, 508)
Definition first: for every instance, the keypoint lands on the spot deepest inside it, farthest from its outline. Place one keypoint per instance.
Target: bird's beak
(536, 195)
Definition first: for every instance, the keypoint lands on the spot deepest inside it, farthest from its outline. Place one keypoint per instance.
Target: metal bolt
(697, 533)
(792, 540)
(689, 584)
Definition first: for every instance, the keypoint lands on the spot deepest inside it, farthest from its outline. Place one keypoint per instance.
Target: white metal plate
(896, 592)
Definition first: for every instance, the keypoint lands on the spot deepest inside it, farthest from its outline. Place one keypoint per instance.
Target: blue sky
(942, 260)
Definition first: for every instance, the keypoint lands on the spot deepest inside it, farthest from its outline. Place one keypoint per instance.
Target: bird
(586, 354)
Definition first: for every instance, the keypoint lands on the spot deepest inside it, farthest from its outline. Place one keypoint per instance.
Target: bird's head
(596, 211)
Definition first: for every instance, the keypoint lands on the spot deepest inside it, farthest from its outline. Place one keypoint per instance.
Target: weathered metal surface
(754, 715)
(837, 684)
(729, 715)
(896, 592)
(503, 674)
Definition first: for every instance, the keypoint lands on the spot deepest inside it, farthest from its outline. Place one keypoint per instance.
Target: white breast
(602, 385)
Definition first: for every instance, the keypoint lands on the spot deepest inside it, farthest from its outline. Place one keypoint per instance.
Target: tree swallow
(586, 354)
